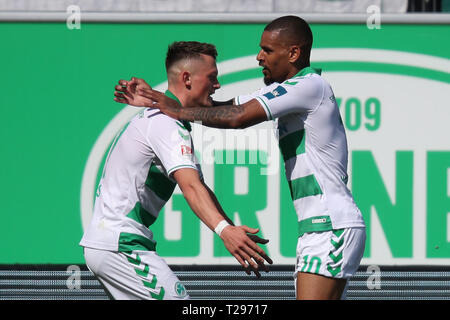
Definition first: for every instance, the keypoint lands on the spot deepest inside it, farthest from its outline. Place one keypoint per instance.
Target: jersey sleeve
(241, 99)
(172, 144)
(294, 96)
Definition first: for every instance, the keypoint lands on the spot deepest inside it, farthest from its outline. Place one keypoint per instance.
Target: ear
(294, 54)
(186, 77)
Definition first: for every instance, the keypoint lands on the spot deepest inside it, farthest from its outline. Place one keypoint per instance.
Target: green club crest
(180, 289)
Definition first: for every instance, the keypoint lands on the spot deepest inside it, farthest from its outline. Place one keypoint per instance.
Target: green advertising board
(58, 119)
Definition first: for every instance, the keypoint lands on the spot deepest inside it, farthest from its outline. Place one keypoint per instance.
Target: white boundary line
(151, 17)
(350, 55)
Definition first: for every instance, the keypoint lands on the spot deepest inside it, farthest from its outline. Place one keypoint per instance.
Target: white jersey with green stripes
(136, 181)
(313, 143)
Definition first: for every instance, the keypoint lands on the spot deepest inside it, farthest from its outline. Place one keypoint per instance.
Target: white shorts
(335, 254)
(140, 275)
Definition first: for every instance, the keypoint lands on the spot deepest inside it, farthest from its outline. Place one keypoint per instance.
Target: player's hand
(136, 84)
(126, 92)
(239, 243)
(257, 239)
(159, 100)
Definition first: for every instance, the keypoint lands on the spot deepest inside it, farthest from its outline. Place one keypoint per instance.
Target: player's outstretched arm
(223, 116)
(125, 92)
(253, 237)
(235, 238)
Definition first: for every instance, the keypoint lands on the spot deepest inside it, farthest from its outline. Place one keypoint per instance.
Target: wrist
(150, 104)
(220, 227)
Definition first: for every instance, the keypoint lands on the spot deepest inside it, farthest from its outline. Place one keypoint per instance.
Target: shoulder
(154, 124)
(306, 86)
(310, 86)
(157, 119)
(309, 82)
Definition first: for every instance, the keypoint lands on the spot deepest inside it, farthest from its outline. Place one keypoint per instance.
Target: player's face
(273, 57)
(204, 81)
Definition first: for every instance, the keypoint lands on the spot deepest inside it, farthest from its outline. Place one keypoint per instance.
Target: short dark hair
(296, 31)
(187, 50)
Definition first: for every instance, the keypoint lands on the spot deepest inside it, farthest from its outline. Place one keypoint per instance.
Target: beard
(268, 81)
(267, 78)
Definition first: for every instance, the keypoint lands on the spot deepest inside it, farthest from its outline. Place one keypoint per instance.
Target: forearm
(218, 206)
(231, 116)
(203, 205)
(225, 117)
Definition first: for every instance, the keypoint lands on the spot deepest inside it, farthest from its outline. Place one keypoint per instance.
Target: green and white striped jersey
(313, 144)
(136, 181)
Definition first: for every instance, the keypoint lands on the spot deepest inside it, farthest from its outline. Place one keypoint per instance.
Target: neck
(179, 93)
(296, 69)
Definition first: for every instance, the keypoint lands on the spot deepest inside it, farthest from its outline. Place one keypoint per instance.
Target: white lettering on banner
(241, 184)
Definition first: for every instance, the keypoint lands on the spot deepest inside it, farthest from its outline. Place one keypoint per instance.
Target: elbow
(234, 124)
(238, 122)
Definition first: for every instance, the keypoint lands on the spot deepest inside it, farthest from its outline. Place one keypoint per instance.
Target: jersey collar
(186, 124)
(308, 70)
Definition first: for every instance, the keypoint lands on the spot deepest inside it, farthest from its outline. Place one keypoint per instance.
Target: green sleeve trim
(314, 224)
(181, 166)
(265, 107)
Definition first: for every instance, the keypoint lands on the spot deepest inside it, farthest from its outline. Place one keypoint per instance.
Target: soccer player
(147, 160)
(312, 141)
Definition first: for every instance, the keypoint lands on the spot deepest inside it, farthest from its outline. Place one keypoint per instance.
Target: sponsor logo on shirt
(185, 150)
(279, 91)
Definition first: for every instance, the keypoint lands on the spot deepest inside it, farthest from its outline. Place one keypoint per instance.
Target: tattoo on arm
(217, 117)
